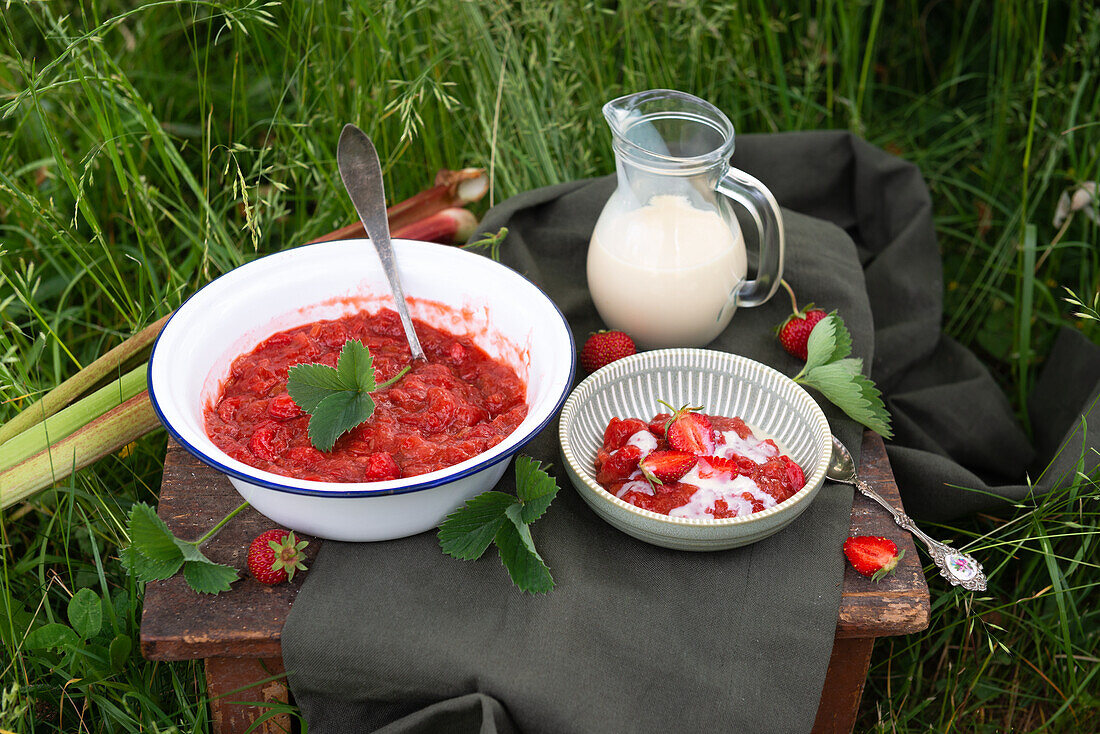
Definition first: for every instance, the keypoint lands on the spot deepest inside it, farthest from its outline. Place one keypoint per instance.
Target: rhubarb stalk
(105, 434)
(451, 189)
(79, 383)
(446, 227)
(67, 421)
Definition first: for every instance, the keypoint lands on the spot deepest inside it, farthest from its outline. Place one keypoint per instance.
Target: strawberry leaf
(152, 554)
(337, 399)
(517, 553)
(839, 377)
(497, 517)
(829, 341)
(336, 415)
(469, 530)
(534, 487)
(355, 366)
(206, 577)
(309, 384)
(844, 385)
(146, 570)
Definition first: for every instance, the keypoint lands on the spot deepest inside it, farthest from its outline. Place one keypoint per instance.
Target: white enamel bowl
(724, 384)
(501, 311)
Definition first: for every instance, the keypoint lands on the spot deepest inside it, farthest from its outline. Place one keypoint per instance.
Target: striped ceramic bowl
(724, 384)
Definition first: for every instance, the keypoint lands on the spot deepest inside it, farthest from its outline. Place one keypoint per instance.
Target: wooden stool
(238, 633)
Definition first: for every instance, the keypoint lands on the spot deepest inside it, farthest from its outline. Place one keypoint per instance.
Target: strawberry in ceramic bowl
(631, 390)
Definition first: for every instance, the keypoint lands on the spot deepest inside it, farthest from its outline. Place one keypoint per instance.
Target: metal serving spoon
(958, 568)
(362, 176)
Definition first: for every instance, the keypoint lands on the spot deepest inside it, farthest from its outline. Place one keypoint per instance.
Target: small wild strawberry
(275, 555)
(794, 333)
(604, 347)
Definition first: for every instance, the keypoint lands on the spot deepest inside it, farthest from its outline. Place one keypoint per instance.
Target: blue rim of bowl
(358, 493)
(593, 487)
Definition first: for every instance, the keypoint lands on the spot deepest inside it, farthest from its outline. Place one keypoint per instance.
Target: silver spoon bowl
(958, 568)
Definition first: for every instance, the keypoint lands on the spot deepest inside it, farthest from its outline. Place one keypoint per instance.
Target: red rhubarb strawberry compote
(693, 465)
(458, 404)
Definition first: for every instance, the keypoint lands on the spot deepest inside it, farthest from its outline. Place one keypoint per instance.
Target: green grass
(145, 150)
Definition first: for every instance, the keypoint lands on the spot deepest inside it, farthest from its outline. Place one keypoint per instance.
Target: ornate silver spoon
(958, 568)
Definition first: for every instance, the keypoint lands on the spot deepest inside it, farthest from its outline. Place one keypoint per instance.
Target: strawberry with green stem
(666, 467)
(794, 333)
(687, 430)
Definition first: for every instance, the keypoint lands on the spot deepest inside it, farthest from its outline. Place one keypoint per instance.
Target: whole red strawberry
(604, 347)
(275, 555)
(795, 331)
(872, 556)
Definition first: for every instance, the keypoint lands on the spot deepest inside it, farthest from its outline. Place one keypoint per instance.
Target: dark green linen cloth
(396, 637)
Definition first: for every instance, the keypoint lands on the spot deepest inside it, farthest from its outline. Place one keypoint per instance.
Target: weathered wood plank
(897, 604)
(178, 624)
(843, 689)
(234, 684)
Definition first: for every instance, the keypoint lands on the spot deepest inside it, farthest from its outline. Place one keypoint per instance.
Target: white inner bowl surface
(456, 291)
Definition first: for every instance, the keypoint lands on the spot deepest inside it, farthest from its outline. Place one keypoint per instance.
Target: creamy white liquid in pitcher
(665, 273)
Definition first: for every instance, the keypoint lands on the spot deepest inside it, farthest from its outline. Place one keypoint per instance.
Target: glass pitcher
(667, 261)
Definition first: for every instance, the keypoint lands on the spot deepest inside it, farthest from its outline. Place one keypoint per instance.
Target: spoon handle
(361, 173)
(960, 569)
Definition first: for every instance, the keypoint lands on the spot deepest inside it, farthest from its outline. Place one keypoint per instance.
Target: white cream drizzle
(644, 440)
(751, 448)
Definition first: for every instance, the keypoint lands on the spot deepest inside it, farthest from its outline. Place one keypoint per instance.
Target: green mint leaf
(85, 612)
(206, 577)
(337, 399)
(843, 384)
(356, 366)
(469, 530)
(517, 553)
(535, 488)
(309, 384)
(336, 415)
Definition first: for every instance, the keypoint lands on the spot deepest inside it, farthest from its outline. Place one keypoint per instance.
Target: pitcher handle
(762, 207)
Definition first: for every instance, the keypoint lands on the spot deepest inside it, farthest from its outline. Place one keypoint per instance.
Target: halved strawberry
(872, 556)
(661, 467)
(689, 431)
